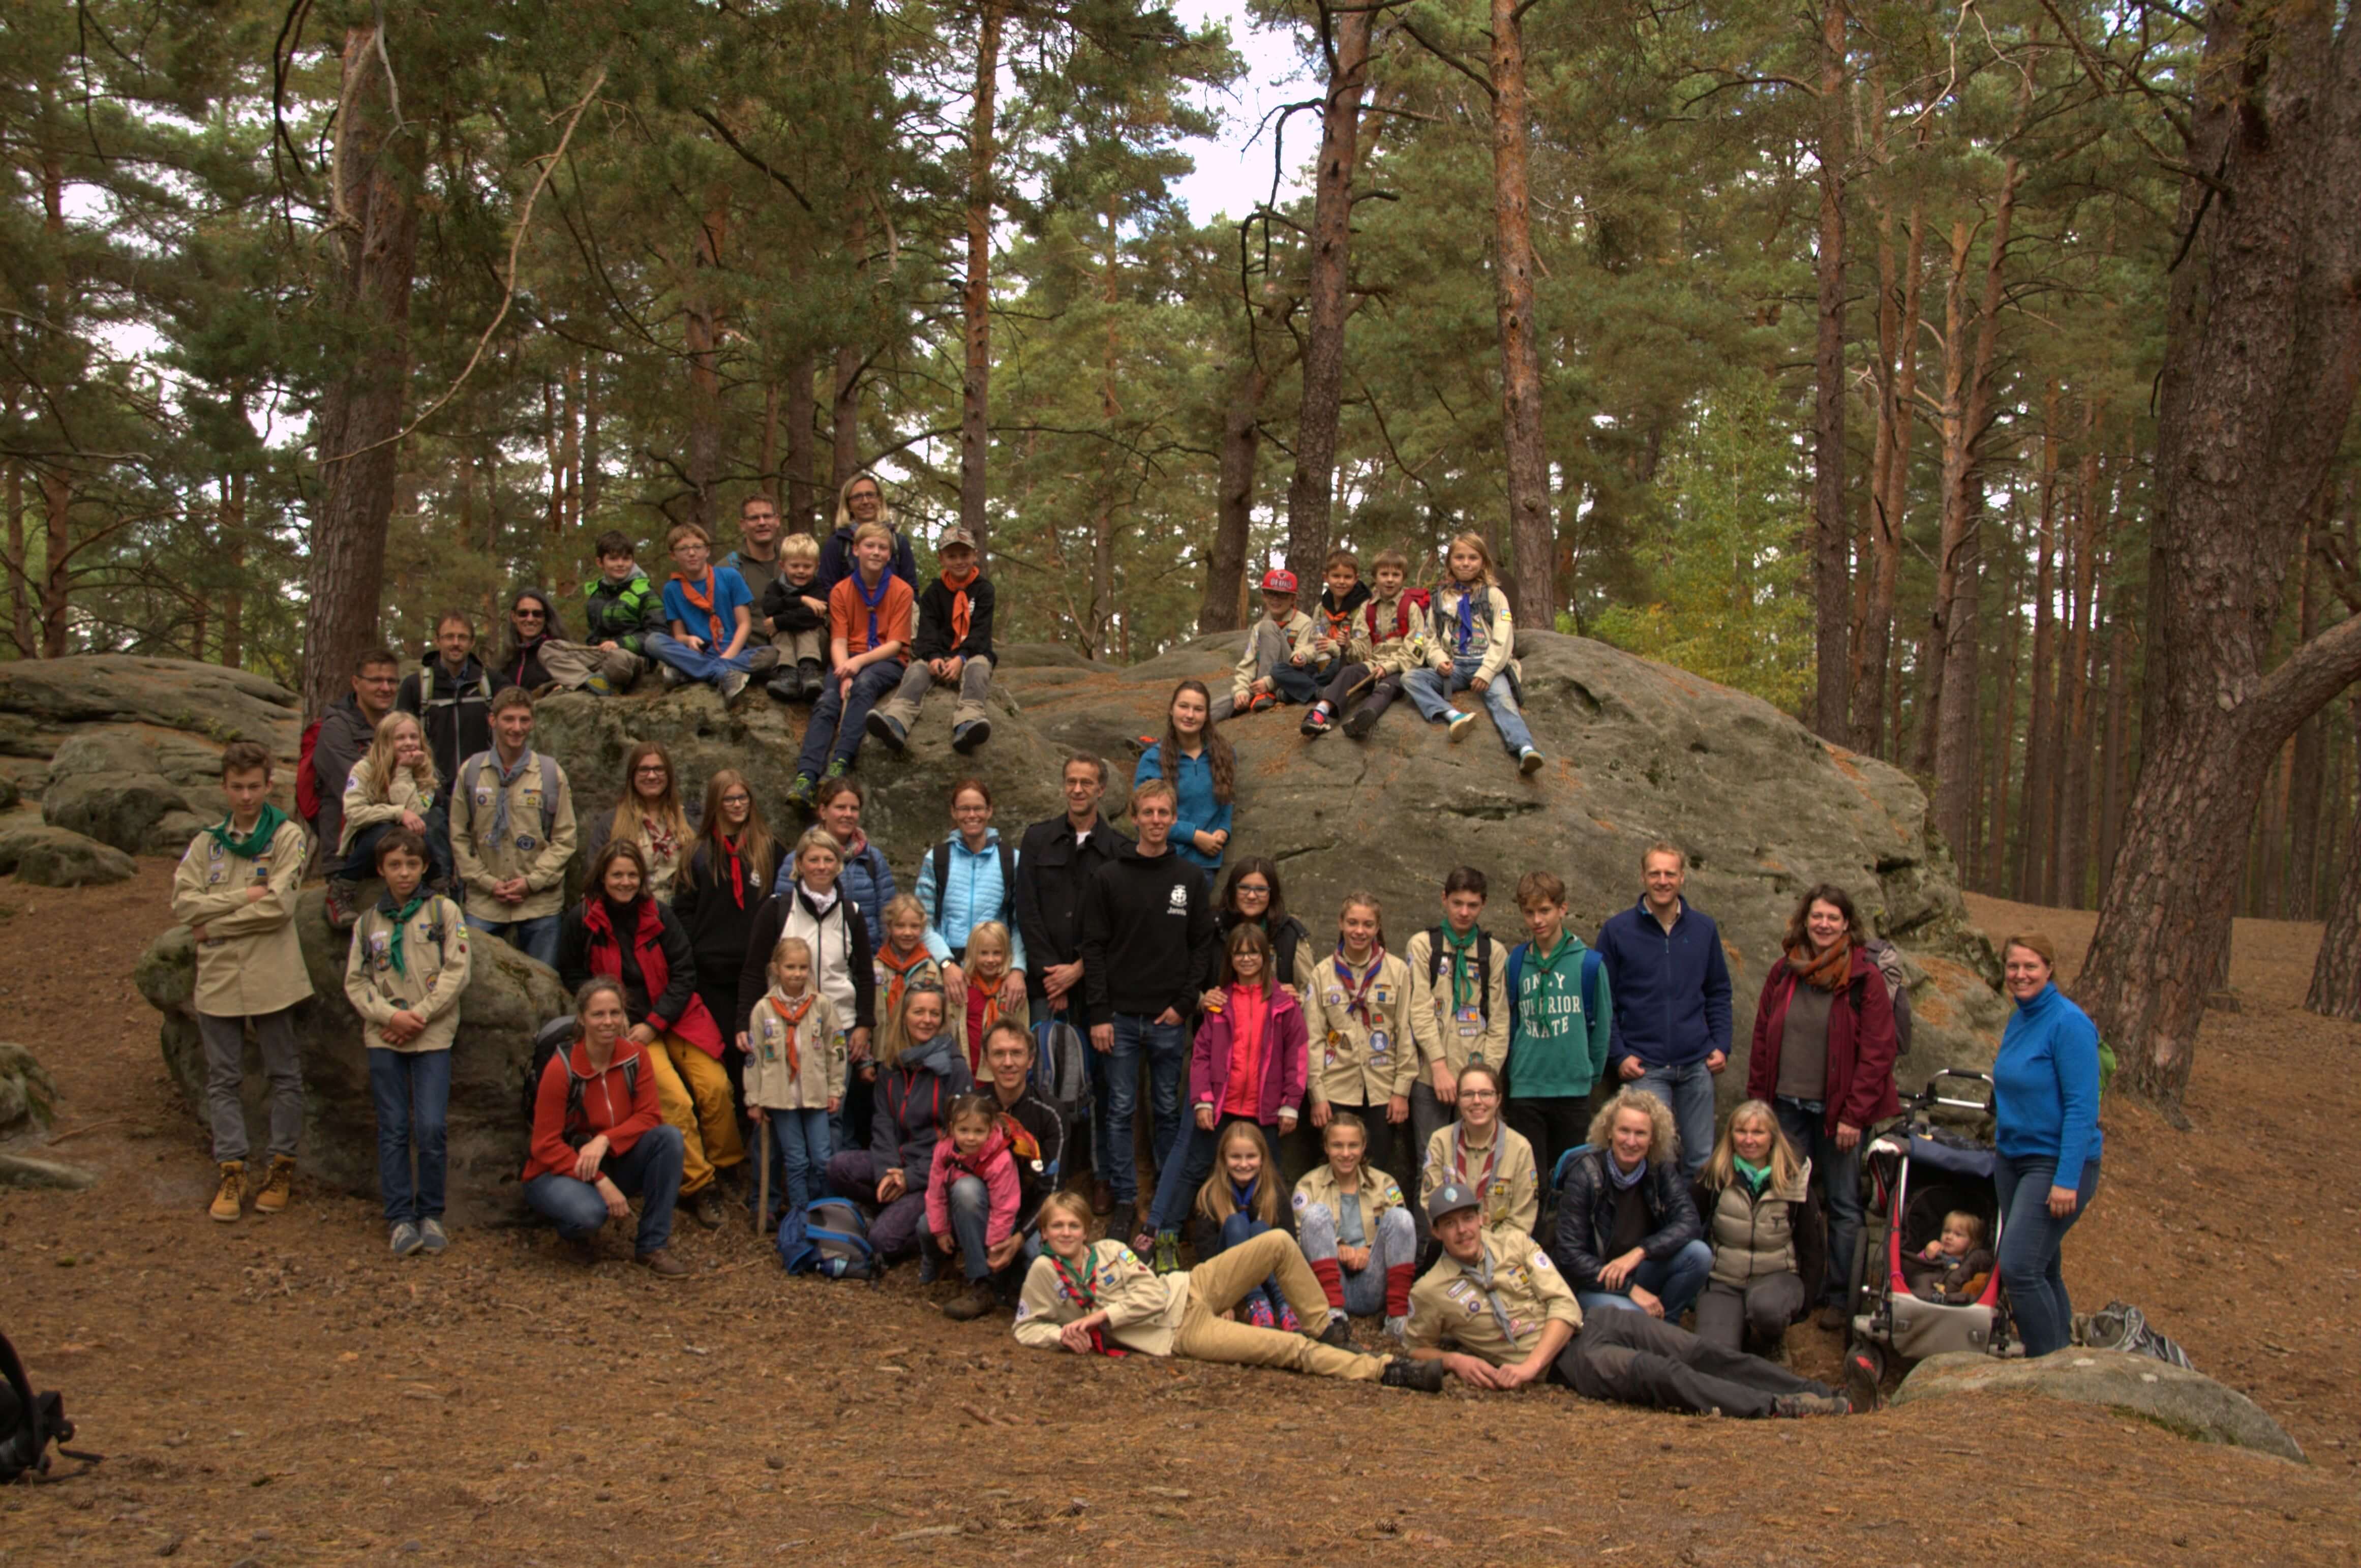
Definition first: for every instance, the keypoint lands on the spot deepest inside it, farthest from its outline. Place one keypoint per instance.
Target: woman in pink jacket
(1250, 1064)
(972, 1200)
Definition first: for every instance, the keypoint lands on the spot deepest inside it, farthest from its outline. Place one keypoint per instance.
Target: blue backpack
(830, 1238)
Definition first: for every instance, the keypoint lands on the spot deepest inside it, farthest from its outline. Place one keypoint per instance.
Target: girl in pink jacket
(971, 1200)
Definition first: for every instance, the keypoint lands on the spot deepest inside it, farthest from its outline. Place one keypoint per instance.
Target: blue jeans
(535, 938)
(1238, 1229)
(412, 1091)
(1431, 690)
(360, 864)
(1177, 1180)
(1688, 1091)
(1674, 1281)
(1166, 1048)
(1838, 1173)
(700, 665)
(837, 722)
(800, 1150)
(2032, 1247)
(650, 1172)
(1396, 1242)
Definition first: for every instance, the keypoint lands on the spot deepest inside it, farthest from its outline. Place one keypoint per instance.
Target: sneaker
(1794, 1407)
(733, 686)
(1168, 1252)
(599, 686)
(1458, 723)
(432, 1237)
(1426, 1377)
(278, 1187)
(1339, 1332)
(1288, 1321)
(887, 732)
(1262, 702)
(1862, 1370)
(971, 735)
(1259, 1314)
(661, 1264)
(1395, 1328)
(673, 677)
(229, 1201)
(788, 688)
(1529, 762)
(1364, 719)
(705, 1209)
(406, 1239)
(1315, 723)
(343, 904)
(837, 768)
(800, 792)
(977, 1301)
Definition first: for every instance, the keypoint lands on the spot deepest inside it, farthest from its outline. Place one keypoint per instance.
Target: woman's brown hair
(1223, 760)
(756, 845)
(1245, 935)
(1799, 923)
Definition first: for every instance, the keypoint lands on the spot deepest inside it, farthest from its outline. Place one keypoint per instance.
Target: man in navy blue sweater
(1671, 985)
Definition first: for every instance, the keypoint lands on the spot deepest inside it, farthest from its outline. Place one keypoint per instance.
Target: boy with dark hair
(619, 610)
(451, 692)
(869, 616)
(711, 619)
(1278, 661)
(1342, 595)
(1388, 640)
(1559, 1021)
(797, 612)
(235, 891)
(953, 648)
(512, 833)
(1458, 1001)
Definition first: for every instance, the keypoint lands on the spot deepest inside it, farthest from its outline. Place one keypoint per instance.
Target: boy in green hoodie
(1559, 1019)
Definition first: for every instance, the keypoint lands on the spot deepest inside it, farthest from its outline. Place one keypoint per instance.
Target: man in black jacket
(346, 728)
(953, 648)
(1148, 943)
(452, 695)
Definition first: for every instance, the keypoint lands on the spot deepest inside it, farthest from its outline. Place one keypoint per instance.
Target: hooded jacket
(1586, 1217)
(1284, 1042)
(455, 711)
(622, 613)
(971, 895)
(660, 977)
(1860, 1091)
(344, 740)
(1148, 936)
(912, 1097)
(993, 1165)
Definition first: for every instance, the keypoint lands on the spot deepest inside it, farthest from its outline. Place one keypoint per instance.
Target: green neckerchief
(1463, 978)
(401, 918)
(1547, 962)
(1753, 1175)
(266, 828)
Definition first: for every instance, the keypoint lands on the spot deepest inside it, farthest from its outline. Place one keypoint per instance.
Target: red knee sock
(1331, 1280)
(1398, 1278)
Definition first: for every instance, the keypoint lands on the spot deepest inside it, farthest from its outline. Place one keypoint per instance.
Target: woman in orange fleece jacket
(598, 1139)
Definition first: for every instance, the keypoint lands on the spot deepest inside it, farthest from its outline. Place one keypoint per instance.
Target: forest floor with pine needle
(283, 1391)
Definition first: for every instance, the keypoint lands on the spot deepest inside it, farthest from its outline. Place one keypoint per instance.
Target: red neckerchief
(737, 868)
(961, 612)
(1359, 1004)
(1483, 1184)
(1082, 1291)
(702, 597)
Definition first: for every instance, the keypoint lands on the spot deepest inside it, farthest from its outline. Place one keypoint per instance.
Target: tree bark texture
(2336, 975)
(800, 411)
(1831, 551)
(975, 294)
(1898, 346)
(1227, 587)
(704, 334)
(2306, 767)
(2040, 738)
(1533, 534)
(2073, 887)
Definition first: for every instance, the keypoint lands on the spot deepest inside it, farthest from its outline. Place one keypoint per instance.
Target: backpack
(548, 766)
(1008, 880)
(547, 1041)
(1591, 964)
(1435, 950)
(1061, 1068)
(29, 1423)
(1410, 596)
(307, 786)
(2121, 1326)
(1888, 959)
(828, 1237)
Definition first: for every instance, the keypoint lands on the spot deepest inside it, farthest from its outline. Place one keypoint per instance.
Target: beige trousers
(571, 664)
(1214, 1288)
(974, 685)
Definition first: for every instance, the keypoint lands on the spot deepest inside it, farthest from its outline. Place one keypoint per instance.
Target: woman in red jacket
(1823, 1056)
(597, 1139)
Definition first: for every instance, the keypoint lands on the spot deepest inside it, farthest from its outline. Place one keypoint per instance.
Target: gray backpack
(1888, 959)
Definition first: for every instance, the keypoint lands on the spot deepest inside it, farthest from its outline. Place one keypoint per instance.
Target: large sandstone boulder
(2187, 1403)
(59, 857)
(507, 998)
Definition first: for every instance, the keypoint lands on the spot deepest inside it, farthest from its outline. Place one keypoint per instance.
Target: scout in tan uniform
(1459, 1000)
(1356, 1230)
(235, 891)
(1358, 1011)
(1280, 654)
(794, 1069)
(1498, 1314)
(512, 832)
(1090, 1297)
(1479, 1153)
(404, 974)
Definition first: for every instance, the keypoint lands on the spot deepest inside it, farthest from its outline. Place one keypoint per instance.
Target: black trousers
(1553, 1125)
(1635, 1359)
(1378, 696)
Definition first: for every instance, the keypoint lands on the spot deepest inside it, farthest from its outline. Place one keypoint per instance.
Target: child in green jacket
(1559, 1019)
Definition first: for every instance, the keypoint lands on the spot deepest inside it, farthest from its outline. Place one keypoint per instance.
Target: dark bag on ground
(828, 1237)
(29, 1423)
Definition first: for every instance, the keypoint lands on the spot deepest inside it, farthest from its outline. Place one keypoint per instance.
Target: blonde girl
(794, 1071)
(920, 1070)
(649, 813)
(1355, 1229)
(1473, 649)
(1239, 1201)
(902, 961)
(392, 786)
(990, 963)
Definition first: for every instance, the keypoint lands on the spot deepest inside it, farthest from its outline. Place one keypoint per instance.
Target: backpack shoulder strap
(1434, 954)
(1484, 975)
(550, 773)
(1516, 984)
(942, 878)
(1008, 879)
(1591, 964)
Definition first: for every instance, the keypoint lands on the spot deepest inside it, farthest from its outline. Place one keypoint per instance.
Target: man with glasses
(756, 559)
(346, 730)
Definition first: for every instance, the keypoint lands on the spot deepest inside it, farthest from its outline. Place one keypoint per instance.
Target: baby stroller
(1915, 1172)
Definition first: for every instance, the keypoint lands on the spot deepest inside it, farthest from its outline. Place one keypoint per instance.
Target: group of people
(1507, 1156)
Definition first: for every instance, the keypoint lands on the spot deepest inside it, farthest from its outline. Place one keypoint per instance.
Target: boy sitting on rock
(953, 648)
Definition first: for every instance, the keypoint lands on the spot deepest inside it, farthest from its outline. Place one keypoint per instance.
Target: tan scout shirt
(1449, 1311)
(434, 968)
(1378, 1193)
(1298, 632)
(1503, 1175)
(1382, 652)
(249, 961)
(522, 849)
(365, 807)
(1469, 1033)
(1354, 1063)
(818, 1073)
(1143, 1307)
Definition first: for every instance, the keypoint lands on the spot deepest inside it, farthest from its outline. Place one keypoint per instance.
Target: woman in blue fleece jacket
(2046, 1102)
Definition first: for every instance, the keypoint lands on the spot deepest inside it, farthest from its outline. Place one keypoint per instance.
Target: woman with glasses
(536, 655)
(1478, 1152)
(1253, 896)
(650, 815)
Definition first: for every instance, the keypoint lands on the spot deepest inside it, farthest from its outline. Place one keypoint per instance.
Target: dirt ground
(284, 1392)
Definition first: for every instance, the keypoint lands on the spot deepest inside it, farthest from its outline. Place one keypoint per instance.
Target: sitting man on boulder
(1497, 1314)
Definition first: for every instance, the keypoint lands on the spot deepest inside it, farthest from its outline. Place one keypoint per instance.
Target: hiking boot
(1339, 1332)
(1861, 1374)
(1529, 762)
(1832, 1317)
(1102, 1197)
(733, 686)
(1315, 723)
(1168, 1252)
(887, 732)
(1794, 1407)
(788, 688)
(1426, 1377)
(1457, 723)
(808, 671)
(1262, 702)
(673, 675)
(599, 686)
(432, 1237)
(1364, 719)
(978, 1301)
(800, 792)
(406, 1239)
(230, 1200)
(837, 768)
(661, 1264)
(705, 1208)
(278, 1187)
(343, 904)
(971, 735)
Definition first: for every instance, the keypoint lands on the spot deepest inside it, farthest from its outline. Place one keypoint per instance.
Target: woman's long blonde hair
(666, 807)
(1722, 1168)
(1665, 1142)
(377, 764)
(894, 1039)
(844, 492)
(756, 845)
(1214, 1199)
(1483, 553)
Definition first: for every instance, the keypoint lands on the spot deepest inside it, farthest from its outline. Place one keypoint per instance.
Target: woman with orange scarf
(1823, 1056)
(953, 648)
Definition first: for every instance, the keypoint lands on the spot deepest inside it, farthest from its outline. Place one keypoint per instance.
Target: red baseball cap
(1279, 580)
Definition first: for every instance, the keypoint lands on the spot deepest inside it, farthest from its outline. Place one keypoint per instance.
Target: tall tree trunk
(21, 604)
(766, 458)
(975, 294)
(2306, 767)
(1223, 607)
(593, 492)
(1951, 429)
(2115, 758)
(2074, 693)
(569, 453)
(1310, 490)
(2040, 826)
(1830, 548)
(57, 559)
(377, 240)
(233, 545)
(844, 429)
(2002, 751)
(1891, 500)
(2262, 335)
(704, 334)
(552, 414)
(1533, 534)
(2336, 975)
(802, 412)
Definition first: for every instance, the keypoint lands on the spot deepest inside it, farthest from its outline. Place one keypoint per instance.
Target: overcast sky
(1234, 167)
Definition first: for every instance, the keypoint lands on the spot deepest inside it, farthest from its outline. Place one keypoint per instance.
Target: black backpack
(29, 1423)
(551, 1038)
(1435, 950)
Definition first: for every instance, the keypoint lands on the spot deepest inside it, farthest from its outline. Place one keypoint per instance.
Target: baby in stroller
(1966, 1263)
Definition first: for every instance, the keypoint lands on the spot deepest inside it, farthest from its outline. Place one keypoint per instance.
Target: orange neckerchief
(962, 613)
(901, 980)
(702, 597)
(792, 1013)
